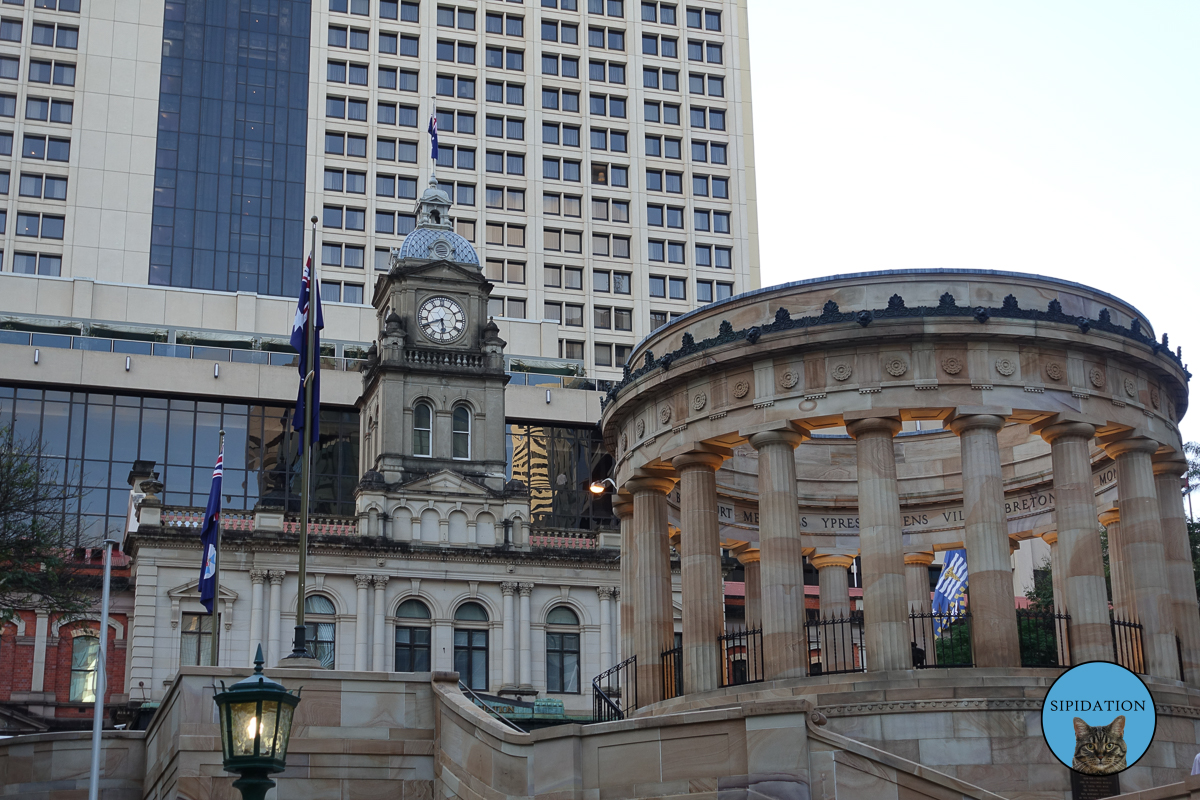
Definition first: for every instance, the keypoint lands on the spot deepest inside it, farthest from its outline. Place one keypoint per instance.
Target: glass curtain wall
(558, 464)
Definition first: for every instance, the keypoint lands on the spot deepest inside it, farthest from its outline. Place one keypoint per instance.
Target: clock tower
(432, 408)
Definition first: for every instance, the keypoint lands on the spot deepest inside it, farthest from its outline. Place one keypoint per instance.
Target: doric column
(1181, 582)
(379, 662)
(785, 641)
(916, 581)
(1078, 542)
(1122, 600)
(623, 508)
(605, 593)
(700, 570)
(1144, 561)
(993, 610)
(838, 643)
(257, 578)
(526, 590)
(1058, 572)
(885, 605)
(361, 623)
(274, 619)
(752, 568)
(508, 667)
(650, 584)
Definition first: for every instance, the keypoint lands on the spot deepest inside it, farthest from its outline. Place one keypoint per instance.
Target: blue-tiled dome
(432, 243)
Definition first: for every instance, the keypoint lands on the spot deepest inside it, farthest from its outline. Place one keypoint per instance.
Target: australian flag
(950, 594)
(433, 136)
(208, 538)
(310, 289)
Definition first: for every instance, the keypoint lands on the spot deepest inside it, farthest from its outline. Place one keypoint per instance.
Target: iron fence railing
(1043, 638)
(1127, 644)
(741, 657)
(941, 640)
(614, 691)
(672, 672)
(839, 643)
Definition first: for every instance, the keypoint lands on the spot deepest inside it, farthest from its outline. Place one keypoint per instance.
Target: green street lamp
(256, 724)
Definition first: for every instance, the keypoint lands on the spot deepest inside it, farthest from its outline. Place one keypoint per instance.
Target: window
(573, 278)
(412, 637)
(622, 283)
(10, 30)
(85, 656)
(422, 430)
(471, 645)
(724, 290)
(657, 319)
(10, 68)
(603, 354)
(319, 628)
(195, 640)
(602, 317)
(704, 291)
(562, 647)
(461, 435)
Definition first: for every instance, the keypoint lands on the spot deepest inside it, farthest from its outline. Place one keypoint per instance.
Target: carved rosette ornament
(1054, 371)
(1005, 366)
(664, 414)
(624, 442)
(841, 371)
(789, 379)
(952, 365)
(1155, 397)
(1130, 387)
(1096, 376)
(699, 400)
(641, 428)
(741, 389)
(896, 367)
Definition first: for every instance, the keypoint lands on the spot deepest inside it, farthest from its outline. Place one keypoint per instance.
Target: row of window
(43, 109)
(388, 9)
(35, 263)
(50, 5)
(43, 226)
(450, 16)
(58, 73)
(360, 39)
(44, 34)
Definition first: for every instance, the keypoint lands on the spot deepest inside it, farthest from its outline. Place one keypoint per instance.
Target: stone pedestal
(700, 570)
(653, 617)
(1078, 542)
(885, 606)
(1181, 582)
(785, 643)
(1143, 554)
(993, 610)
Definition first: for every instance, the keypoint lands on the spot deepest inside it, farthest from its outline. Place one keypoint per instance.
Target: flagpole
(214, 656)
(101, 674)
(299, 648)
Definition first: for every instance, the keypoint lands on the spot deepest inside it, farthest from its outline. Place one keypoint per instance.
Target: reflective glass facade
(558, 464)
(232, 135)
(91, 440)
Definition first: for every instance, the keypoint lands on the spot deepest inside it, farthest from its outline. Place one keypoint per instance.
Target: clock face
(441, 319)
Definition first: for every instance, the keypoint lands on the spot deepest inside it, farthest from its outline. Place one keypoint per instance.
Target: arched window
(412, 637)
(85, 655)
(471, 645)
(462, 433)
(562, 651)
(320, 628)
(422, 430)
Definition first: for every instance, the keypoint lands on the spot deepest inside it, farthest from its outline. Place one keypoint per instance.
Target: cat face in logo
(1099, 750)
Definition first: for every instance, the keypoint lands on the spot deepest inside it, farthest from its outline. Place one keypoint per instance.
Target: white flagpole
(101, 675)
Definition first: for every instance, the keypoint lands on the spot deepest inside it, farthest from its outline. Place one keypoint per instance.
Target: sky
(1056, 138)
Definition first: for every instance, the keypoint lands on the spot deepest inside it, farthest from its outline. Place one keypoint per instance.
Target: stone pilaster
(1143, 553)
(257, 578)
(361, 622)
(1168, 477)
(885, 605)
(752, 568)
(700, 570)
(508, 664)
(41, 637)
(1122, 600)
(650, 584)
(993, 610)
(379, 640)
(275, 616)
(606, 593)
(526, 676)
(785, 640)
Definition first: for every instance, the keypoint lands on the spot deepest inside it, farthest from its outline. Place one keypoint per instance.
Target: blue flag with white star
(208, 539)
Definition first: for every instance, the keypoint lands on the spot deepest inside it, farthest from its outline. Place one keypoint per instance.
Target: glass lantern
(256, 725)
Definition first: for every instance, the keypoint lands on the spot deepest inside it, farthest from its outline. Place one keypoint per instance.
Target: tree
(37, 568)
(1041, 594)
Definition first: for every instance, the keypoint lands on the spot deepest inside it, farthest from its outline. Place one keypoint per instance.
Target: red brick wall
(58, 666)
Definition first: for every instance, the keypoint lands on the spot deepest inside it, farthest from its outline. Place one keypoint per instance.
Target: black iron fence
(1043, 638)
(835, 646)
(941, 640)
(614, 691)
(1127, 644)
(672, 672)
(741, 657)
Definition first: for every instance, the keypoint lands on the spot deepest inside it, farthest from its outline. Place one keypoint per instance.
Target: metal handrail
(479, 702)
(603, 706)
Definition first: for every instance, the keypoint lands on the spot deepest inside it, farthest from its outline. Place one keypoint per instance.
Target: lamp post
(256, 725)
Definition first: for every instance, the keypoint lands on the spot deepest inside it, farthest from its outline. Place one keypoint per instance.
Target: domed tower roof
(434, 237)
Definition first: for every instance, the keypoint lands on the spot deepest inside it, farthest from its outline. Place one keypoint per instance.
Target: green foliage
(36, 565)
(1041, 594)
(954, 645)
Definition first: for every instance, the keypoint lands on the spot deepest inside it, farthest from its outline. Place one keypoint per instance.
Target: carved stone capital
(258, 576)
(362, 581)
(276, 577)
(1109, 516)
(606, 592)
(526, 589)
(922, 558)
(380, 581)
(508, 587)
